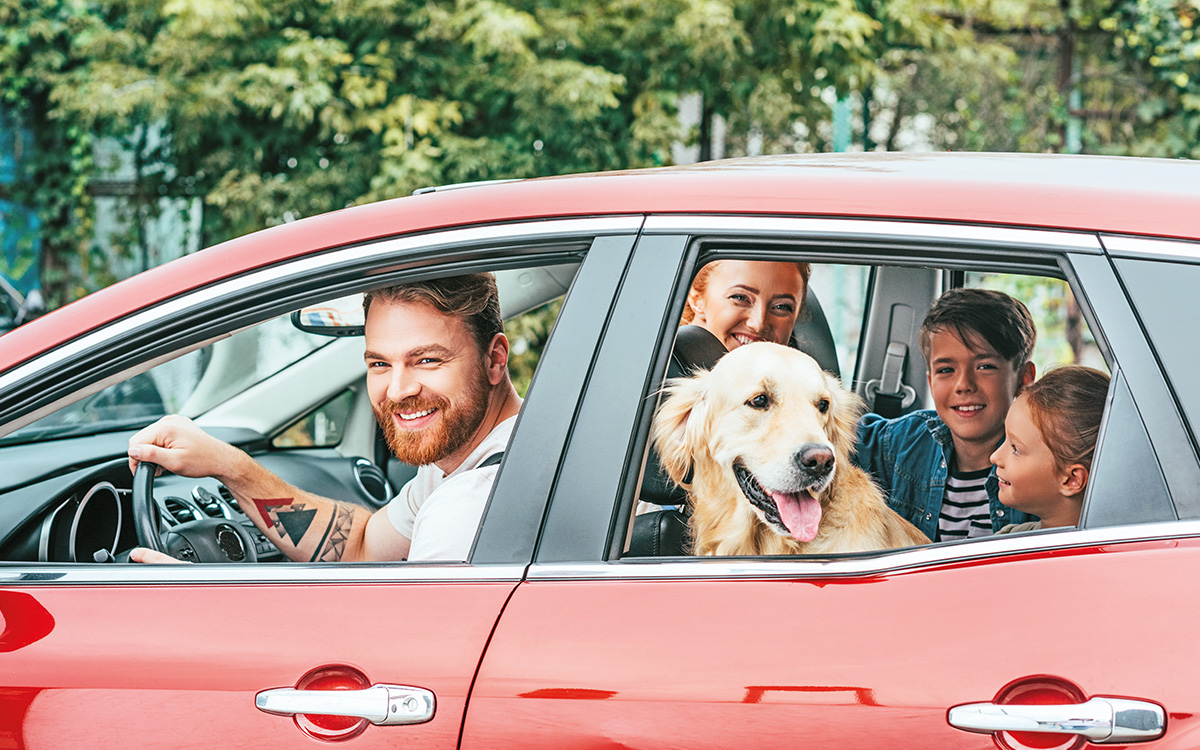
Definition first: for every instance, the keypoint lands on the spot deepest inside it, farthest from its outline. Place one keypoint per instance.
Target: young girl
(1050, 435)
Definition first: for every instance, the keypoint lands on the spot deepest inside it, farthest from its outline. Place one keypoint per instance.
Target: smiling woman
(743, 301)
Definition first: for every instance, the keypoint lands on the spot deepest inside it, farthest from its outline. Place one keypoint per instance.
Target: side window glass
(1118, 495)
(1156, 289)
(323, 427)
(192, 383)
(527, 336)
(732, 303)
(842, 291)
(299, 381)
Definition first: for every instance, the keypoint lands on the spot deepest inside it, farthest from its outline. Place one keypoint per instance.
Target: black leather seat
(664, 532)
(812, 336)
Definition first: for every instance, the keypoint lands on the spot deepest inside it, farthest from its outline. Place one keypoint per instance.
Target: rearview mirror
(339, 317)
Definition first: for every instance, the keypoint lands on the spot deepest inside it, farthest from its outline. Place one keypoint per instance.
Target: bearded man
(437, 378)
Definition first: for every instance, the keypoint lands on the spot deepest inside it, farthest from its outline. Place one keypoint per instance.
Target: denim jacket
(908, 457)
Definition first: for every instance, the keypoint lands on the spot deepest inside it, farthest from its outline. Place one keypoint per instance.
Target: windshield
(190, 384)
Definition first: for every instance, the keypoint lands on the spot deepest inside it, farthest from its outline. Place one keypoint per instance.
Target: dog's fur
(790, 428)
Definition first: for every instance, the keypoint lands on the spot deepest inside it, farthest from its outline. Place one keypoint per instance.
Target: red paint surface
(25, 621)
(835, 663)
(178, 666)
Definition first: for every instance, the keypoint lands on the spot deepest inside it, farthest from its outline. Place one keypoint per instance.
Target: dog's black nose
(815, 459)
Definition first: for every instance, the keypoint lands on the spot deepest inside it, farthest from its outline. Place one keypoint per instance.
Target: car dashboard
(84, 512)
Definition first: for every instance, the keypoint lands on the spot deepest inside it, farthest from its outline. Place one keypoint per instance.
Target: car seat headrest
(812, 336)
(694, 349)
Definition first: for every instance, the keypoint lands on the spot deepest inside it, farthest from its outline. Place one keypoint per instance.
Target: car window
(846, 293)
(1156, 289)
(323, 427)
(293, 399)
(1120, 496)
(842, 290)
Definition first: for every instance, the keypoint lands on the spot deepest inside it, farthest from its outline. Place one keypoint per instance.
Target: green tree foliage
(1024, 74)
(1157, 39)
(54, 153)
(527, 336)
(271, 109)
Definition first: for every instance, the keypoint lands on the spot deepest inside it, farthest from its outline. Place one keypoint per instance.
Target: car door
(864, 650)
(201, 656)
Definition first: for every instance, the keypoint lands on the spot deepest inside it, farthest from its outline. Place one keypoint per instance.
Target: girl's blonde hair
(1066, 405)
(700, 284)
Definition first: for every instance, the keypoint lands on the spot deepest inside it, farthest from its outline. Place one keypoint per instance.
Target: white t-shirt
(441, 513)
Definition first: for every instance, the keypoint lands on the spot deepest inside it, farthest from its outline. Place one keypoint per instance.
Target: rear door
(853, 651)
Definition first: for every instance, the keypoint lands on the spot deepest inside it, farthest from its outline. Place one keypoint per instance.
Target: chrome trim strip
(311, 265)
(19, 574)
(875, 563)
(874, 229)
(1143, 247)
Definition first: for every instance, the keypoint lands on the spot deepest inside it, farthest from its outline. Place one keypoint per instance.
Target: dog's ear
(847, 408)
(676, 426)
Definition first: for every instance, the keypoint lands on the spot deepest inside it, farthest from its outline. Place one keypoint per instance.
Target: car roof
(1154, 197)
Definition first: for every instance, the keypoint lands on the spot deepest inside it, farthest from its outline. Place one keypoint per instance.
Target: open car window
(293, 399)
(857, 310)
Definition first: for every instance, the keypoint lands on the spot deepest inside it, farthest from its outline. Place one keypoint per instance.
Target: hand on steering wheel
(203, 540)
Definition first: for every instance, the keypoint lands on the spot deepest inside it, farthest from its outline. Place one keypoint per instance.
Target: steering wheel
(203, 540)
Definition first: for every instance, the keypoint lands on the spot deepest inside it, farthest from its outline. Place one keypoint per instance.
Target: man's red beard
(453, 428)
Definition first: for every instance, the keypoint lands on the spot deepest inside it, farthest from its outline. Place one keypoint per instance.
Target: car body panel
(752, 655)
(177, 664)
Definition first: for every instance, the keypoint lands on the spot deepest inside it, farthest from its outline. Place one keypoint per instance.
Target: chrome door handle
(1099, 720)
(382, 705)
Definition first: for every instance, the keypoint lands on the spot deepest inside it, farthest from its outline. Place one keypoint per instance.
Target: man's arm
(304, 526)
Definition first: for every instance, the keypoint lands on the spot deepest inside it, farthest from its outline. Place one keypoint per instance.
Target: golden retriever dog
(766, 437)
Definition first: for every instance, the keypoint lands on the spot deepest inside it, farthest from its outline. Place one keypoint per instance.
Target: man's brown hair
(1002, 322)
(472, 297)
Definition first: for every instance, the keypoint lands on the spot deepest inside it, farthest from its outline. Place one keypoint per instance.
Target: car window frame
(1141, 264)
(962, 247)
(602, 248)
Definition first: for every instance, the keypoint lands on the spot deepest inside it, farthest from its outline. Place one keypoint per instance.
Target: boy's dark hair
(1001, 321)
(472, 297)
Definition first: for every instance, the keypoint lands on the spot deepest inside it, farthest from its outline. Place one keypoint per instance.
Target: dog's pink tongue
(800, 513)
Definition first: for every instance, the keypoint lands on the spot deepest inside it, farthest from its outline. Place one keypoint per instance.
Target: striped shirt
(965, 509)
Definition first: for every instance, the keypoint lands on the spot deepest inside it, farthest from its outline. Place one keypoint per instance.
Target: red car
(562, 630)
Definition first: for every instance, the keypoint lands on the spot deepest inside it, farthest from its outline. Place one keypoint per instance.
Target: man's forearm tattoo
(289, 519)
(333, 545)
(292, 520)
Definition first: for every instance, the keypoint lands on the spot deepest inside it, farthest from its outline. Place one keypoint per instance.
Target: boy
(935, 465)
